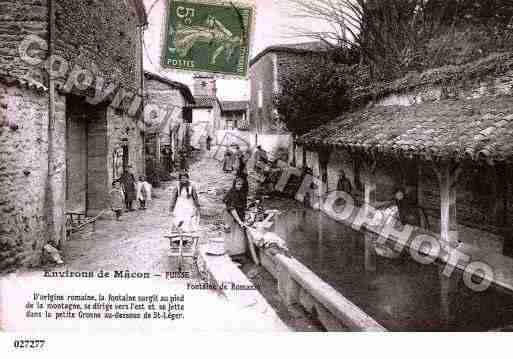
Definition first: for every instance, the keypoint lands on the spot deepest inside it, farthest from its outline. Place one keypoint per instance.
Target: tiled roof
(183, 88)
(204, 101)
(234, 105)
(303, 47)
(458, 129)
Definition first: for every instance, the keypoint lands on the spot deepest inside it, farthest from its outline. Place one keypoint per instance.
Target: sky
(272, 27)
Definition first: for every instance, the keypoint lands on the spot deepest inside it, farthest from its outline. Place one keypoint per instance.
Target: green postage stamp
(208, 37)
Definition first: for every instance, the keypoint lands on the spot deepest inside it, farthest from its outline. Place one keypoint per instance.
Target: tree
(393, 37)
(312, 92)
(381, 40)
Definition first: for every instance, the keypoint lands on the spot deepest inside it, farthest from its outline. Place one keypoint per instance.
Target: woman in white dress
(184, 208)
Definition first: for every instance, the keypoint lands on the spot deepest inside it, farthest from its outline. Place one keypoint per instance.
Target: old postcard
(256, 166)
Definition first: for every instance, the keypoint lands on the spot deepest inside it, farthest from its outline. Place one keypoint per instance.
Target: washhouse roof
(472, 129)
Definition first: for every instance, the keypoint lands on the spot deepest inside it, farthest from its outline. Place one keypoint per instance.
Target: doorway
(86, 156)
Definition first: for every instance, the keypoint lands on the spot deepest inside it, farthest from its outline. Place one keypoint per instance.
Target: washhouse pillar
(448, 285)
(448, 177)
(369, 189)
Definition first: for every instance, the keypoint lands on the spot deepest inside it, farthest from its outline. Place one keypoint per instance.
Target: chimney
(205, 85)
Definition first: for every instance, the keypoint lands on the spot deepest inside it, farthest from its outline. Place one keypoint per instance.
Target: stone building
(71, 93)
(172, 101)
(234, 115)
(444, 137)
(267, 72)
(207, 108)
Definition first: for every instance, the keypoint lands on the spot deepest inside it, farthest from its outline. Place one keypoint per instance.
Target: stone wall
(489, 85)
(268, 74)
(23, 177)
(37, 172)
(261, 76)
(121, 130)
(102, 36)
(17, 20)
(167, 98)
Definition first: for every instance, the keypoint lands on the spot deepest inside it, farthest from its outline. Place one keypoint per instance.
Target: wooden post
(447, 178)
(508, 215)
(320, 232)
(447, 287)
(369, 189)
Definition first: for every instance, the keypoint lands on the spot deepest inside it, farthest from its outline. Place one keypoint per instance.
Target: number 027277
(29, 343)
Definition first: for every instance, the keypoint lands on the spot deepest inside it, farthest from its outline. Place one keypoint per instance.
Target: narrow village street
(137, 243)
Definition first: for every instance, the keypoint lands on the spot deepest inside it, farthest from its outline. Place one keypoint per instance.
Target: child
(117, 199)
(143, 190)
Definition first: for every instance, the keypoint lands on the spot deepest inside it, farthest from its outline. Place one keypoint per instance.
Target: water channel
(401, 294)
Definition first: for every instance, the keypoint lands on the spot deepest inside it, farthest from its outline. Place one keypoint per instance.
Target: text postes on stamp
(208, 37)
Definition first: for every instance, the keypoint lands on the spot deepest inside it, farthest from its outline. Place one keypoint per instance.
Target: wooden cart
(183, 245)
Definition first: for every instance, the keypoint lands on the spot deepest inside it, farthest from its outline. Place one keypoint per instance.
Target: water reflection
(399, 293)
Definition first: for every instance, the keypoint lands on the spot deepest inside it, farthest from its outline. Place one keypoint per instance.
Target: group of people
(126, 190)
(235, 161)
(185, 210)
